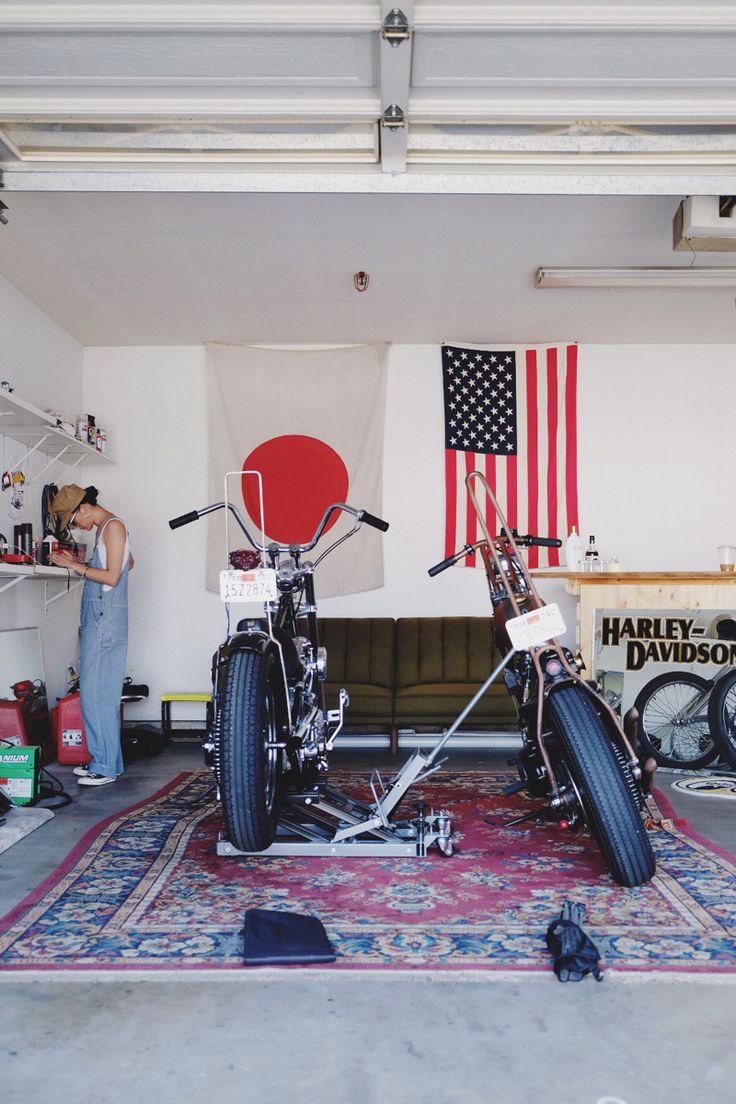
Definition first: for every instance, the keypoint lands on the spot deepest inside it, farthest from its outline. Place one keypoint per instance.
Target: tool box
(20, 773)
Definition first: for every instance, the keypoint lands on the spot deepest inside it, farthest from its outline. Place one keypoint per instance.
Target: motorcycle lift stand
(324, 822)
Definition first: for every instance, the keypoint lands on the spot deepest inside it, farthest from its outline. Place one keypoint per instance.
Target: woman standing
(104, 626)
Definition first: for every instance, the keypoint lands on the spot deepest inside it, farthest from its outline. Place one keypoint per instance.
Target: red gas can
(68, 726)
(12, 724)
(22, 727)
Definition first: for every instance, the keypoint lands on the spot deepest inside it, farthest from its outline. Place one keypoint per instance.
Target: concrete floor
(314, 1035)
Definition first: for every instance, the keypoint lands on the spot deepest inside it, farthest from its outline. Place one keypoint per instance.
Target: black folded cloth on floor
(284, 939)
(574, 952)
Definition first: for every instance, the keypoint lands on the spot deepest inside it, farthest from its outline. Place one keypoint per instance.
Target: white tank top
(102, 548)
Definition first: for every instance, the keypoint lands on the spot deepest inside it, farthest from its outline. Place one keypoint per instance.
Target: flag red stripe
(552, 431)
(450, 501)
(532, 427)
(571, 422)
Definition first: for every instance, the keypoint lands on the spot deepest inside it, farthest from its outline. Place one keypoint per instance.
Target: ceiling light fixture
(360, 279)
(635, 277)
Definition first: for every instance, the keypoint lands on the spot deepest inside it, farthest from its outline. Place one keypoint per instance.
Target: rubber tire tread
(613, 817)
(725, 744)
(640, 704)
(249, 824)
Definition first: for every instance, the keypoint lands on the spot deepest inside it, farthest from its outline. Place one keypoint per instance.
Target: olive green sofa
(415, 671)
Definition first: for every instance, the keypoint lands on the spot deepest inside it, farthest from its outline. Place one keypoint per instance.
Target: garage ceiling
(178, 172)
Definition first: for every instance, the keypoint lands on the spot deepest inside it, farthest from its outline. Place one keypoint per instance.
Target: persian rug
(145, 889)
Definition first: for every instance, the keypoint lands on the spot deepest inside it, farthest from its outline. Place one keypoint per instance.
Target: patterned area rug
(146, 889)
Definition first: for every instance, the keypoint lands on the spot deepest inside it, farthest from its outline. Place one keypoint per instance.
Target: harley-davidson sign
(633, 646)
(666, 639)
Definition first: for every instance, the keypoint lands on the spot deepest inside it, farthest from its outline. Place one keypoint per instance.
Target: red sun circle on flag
(302, 476)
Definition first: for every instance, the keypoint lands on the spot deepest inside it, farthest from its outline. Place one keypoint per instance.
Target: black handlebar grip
(376, 522)
(547, 542)
(443, 565)
(184, 519)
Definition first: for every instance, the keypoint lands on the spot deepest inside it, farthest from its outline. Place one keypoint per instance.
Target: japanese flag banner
(311, 422)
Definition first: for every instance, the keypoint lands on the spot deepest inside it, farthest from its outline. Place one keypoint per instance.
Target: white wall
(44, 365)
(656, 449)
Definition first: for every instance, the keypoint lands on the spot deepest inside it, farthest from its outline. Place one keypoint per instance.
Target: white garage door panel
(477, 59)
(246, 57)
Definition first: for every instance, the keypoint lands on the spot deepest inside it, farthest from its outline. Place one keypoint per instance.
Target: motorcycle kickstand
(536, 814)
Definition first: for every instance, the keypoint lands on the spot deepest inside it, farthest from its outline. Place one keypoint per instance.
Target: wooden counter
(653, 590)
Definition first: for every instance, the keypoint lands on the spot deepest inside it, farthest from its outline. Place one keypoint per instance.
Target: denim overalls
(103, 646)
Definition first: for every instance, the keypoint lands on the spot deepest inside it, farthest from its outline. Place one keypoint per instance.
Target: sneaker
(82, 772)
(91, 779)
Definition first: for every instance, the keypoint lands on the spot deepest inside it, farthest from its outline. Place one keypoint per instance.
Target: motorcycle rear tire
(611, 810)
(249, 763)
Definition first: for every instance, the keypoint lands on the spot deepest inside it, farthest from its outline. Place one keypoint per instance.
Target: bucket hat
(65, 502)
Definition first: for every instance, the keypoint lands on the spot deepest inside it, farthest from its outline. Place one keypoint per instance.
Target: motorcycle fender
(613, 728)
(258, 640)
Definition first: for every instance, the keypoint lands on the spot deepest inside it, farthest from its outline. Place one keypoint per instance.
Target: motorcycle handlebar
(444, 564)
(183, 519)
(370, 519)
(359, 515)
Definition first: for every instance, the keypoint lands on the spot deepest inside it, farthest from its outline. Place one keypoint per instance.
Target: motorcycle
(272, 731)
(575, 754)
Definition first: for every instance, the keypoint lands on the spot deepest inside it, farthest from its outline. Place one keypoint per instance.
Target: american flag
(512, 415)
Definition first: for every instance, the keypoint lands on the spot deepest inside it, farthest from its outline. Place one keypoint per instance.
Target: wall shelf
(16, 573)
(38, 430)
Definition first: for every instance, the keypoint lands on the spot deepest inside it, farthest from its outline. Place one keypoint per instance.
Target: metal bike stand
(324, 821)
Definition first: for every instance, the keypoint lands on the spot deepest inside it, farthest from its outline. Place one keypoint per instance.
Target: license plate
(258, 585)
(535, 627)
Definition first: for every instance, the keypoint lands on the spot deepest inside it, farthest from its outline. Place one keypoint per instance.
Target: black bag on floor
(284, 939)
(575, 954)
(142, 741)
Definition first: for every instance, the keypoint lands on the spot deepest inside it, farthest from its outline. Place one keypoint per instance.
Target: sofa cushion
(440, 703)
(359, 649)
(440, 663)
(360, 657)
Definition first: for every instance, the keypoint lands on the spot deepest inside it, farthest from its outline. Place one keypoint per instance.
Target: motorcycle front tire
(250, 762)
(610, 807)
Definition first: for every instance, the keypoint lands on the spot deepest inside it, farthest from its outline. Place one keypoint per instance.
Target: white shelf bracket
(12, 583)
(68, 589)
(37, 476)
(16, 467)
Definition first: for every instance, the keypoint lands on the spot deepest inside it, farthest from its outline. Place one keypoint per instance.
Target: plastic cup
(727, 556)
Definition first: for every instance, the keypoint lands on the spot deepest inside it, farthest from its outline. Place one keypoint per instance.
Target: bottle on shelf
(592, 562)
(574, 550)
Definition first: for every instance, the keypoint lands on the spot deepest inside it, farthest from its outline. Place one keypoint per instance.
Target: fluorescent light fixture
(635, 277)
